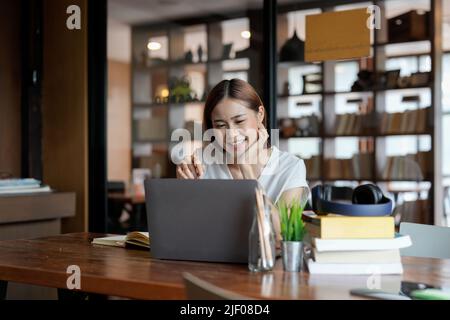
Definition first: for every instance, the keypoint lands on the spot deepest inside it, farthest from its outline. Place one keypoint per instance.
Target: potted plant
(292, 233)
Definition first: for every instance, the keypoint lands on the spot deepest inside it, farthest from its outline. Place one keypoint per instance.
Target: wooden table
(134, 274)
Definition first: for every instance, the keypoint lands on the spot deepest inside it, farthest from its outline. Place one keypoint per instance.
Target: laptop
(200, 220)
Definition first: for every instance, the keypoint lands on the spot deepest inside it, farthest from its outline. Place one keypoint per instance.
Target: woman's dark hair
(233, 89)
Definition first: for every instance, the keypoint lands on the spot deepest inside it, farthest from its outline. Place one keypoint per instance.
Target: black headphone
(367, 200)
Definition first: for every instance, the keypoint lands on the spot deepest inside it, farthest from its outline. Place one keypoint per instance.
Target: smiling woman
(236, 114)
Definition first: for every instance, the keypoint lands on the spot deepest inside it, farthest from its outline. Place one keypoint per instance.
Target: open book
(135, 238)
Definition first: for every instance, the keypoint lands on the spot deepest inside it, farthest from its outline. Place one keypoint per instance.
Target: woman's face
(236, 125)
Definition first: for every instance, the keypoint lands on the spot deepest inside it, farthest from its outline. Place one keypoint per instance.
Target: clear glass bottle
(262, 238)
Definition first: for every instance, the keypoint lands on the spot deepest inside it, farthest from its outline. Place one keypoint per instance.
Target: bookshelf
(174, 66)
(384, 132)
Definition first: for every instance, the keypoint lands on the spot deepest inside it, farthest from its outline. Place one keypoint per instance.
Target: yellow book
(342, 227)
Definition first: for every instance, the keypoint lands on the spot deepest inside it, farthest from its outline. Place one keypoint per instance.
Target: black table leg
(3, 289)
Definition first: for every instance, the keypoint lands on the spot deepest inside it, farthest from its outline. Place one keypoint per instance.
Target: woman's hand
(190, 169)
(254, 155)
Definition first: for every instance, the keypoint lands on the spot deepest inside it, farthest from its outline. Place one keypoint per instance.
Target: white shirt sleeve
(297, 176)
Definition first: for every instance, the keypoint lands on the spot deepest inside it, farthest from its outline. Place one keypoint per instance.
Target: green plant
(292, 225)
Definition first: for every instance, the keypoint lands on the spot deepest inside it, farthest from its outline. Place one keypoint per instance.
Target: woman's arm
(295, 194)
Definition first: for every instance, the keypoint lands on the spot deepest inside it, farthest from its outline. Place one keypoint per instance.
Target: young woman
(235, 112)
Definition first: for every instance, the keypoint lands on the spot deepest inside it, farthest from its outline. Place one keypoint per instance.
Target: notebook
(135, 238)
(398, 242)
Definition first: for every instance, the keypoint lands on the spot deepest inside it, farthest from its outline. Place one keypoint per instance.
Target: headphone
(367, 200)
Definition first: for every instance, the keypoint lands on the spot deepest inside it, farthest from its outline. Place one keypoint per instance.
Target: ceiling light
(164, 93)
(153, 45)
(246, 34)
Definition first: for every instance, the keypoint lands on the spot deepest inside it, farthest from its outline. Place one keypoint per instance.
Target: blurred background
(348, 126)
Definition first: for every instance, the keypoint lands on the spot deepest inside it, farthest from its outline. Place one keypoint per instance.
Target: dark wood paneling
(64, 107)
(10, 88)
(36, 207)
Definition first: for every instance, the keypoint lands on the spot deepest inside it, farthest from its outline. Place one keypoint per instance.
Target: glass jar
(262, 240)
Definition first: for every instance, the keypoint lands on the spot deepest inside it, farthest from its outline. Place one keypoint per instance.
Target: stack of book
(313, 167)
(354, 245)
(22, 186)
(353, 124)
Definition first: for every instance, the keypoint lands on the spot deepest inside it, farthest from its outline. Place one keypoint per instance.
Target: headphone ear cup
(316, 194)
(367, 194)
(327, 190)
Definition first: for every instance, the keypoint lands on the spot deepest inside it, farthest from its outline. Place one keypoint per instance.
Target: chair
(198, 289)
(447, 205)
(427, 241)
(115, 208)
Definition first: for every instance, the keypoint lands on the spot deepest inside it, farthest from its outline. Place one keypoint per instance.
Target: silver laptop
(200, 220)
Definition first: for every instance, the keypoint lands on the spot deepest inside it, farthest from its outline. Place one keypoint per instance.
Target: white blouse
(282, 172)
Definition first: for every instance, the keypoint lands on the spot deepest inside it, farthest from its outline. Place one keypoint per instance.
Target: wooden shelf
(166, 104)
(368, 135)
(404, 180)
(387, 43)
(151, 141)
(290, 64)
(369, 179)
(365, 92)
(178, 64)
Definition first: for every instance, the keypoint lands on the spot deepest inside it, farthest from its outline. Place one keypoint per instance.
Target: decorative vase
(189, 57)
(293, 49)
(292, 253)
(262, 239)
(200, 53)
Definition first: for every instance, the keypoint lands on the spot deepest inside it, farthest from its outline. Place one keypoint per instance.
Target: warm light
(164, 93)
(153, 45)
(246, 34)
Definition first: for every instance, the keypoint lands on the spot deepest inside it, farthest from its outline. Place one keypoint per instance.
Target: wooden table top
(134, 274)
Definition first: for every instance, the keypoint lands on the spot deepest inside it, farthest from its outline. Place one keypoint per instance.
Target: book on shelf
(333, 226)
(358, 167)
(353, 124)
(417, 211)
(407, 122)
(313, 167)
(133, 239)
(408, 167)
